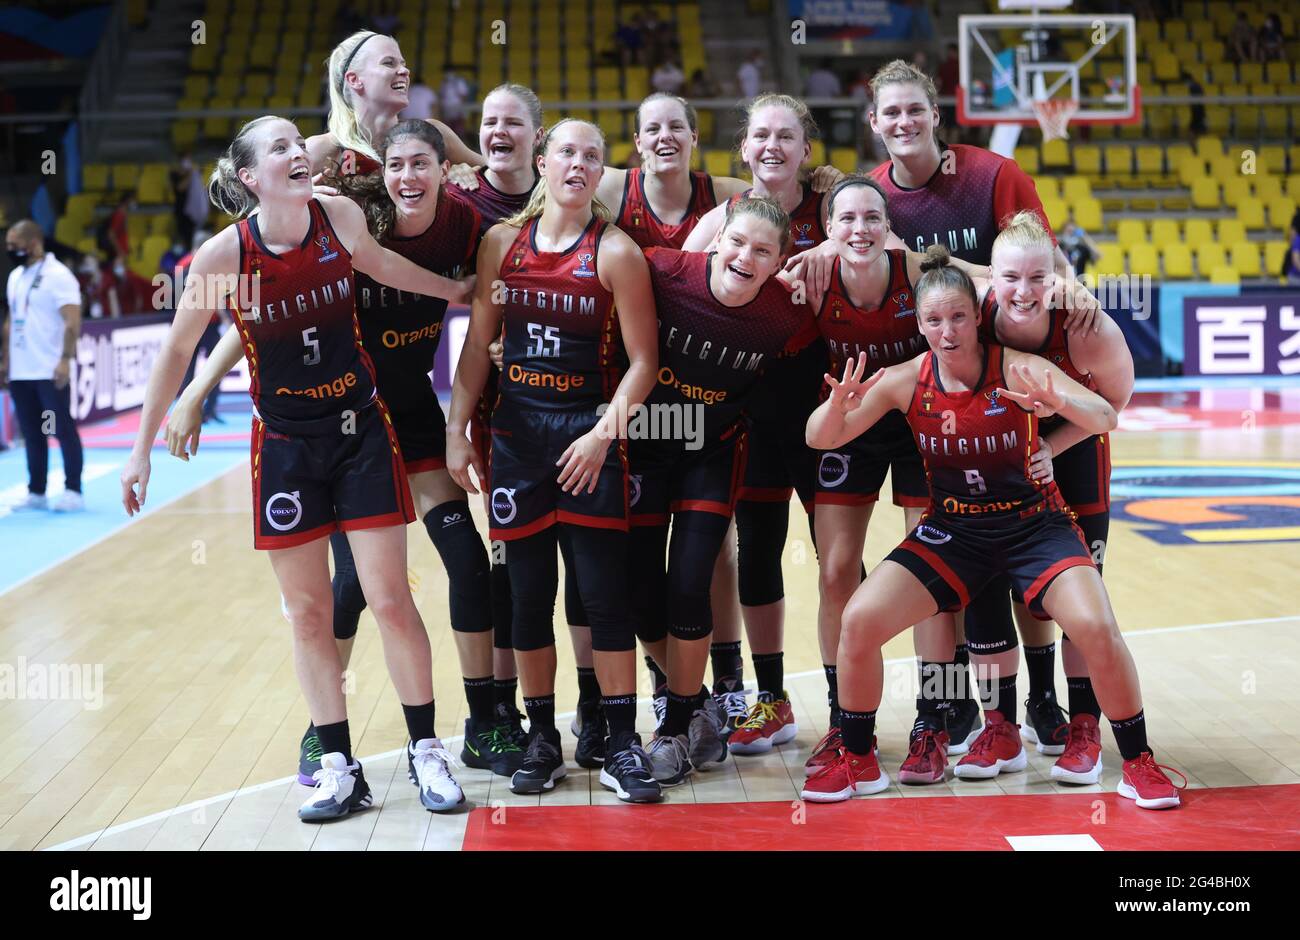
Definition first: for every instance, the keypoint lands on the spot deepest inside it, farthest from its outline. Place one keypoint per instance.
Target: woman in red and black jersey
(325, 457)
(723, 320)
(974, 411)
(569, 289)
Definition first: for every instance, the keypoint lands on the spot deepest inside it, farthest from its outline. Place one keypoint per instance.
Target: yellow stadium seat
(1165, 232)
(1048, 186)
(1167, 67)
(844, 159)
(1131, 232)
(717, 162)
(1177, 260)
(184, 135)
(94, 177)
(161, 224)
(1205, 194)
(1055, 154)
(1250, 72)
(1274, 251)
(817, 153)
(1208, 147)
(1245, 259)
(1229, 232)
(1057, 212)
(1111, 262)
(1190, 169)
(1119, 159)
(1272, 159)
(69, 231)
(1198, 232)
(1235, 189)
(1223, 73)
(1151, 160)
(1087, 213)
(81, 207)
(1281, 210)
(1275, 119)
(1266, 187)
(137, 227)
(1027, 159)
(1142, 260)
(1210, 256)
(1224, 274)
(1075, 189)
(1087, 159)
(126, 175)
(1251, 213)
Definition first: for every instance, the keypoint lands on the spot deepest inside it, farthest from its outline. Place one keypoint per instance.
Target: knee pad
(502, 609)
(574, 611)
(990, 628)
(451, 528)
(761, 530)
(690, 616)
(1095, 529)
(349, 600)
(532, 626)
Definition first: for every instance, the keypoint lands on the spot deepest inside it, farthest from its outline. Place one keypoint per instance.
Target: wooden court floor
(196, 740)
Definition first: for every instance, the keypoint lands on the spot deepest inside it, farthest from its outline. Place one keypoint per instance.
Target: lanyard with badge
(20, 316)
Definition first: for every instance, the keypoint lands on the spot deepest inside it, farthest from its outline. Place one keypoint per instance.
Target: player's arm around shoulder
(623, 269)
(706, 230)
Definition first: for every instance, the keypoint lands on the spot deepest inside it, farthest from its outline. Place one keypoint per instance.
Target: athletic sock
(961, 660)
(680, 710)
(620, 714)
(932, 697)
(1041, 663)
(727, 662)
(999, 695)
(1083, 701)
(588, 687)
(660, 679)
(1131, 735)
(505, 691)
(480, 695)
(858, 730)
(832, 694)
(419, 721)
(335, 739)
(769, 670)
(541, 712)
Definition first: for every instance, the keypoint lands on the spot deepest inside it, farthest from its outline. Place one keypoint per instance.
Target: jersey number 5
(976, 483)
(545, 341)
(313, 357)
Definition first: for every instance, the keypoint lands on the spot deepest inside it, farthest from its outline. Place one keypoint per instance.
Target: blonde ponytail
(226, 190)
(342, 122)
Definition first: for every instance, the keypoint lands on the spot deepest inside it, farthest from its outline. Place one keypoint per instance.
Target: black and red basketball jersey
(562, 344)
(711, 354)
(637, 217)
(401, 330)
(806, 228)
(354, 163)
(300, 333)
(491, 203)
(888, 334)
(976, 446)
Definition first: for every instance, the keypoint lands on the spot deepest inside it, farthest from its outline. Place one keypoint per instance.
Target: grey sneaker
(731, 703)
(627, 772)
(668, 761)
(31, 502)
(705, 746)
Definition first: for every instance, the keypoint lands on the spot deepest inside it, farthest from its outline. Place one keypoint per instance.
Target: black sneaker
(511, 722)
(590, 728)
(309, 755)
(729, 694)
(489, 747)
(1046, 724)
(963, 724)
(627, 772)
(340, 789)
(543, 763)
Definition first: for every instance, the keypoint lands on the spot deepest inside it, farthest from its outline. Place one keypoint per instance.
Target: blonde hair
(1025, 229)
(765, 208)
(899, 72)
(807, 124)
(938, 274)
(527, 97)
(692, 118)
(348, 134)
(226, 190)
(536, 204)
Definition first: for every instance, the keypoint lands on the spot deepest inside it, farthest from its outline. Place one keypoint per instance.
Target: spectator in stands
(750, 75)
(1080, 250)
(921, 59)
(1196, 90)
(36, 356)
(423, 102)
(822, 82)
(90, 278)
(668, 77)
(211, 335)
(701, 86)
(452, 95)
(1291, 261)
(114, 235)
(1271, 42)
(167, 264)
(190, 203)
(1243, 39)
(631, 42)
(128, 292)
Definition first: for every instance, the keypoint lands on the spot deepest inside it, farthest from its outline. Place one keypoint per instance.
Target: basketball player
(722, 319)
(1017, 313)
(568, 288)
(974, 409)
(324, 454)
(777, 141)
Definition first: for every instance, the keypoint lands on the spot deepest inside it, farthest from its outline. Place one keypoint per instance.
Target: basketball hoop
(1054, 116)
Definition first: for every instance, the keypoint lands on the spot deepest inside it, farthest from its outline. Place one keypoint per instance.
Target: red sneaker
(827, 749)
(848, 775)
(1081, 760)
(997, 750)
(771, 721)
(1145, 781)
(927, 758)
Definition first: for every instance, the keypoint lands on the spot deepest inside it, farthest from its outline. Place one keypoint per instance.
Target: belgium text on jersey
(303, 302)
(75, 893)
(657, 422)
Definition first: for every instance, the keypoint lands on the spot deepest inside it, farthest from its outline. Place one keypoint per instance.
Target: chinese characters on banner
(1250, 334)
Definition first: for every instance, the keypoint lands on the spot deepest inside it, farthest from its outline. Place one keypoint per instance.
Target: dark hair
(938, 273)
(853, 180)
(370, 191)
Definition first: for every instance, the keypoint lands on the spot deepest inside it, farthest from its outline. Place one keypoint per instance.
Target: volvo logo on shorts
(283, 511)
(504, 509)
(834, 468)
(634, 481)
(928, 533)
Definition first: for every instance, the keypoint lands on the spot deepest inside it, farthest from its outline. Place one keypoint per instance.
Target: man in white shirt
(750, 76)
(36, 357)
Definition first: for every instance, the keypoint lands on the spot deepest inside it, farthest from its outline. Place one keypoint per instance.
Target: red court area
(1265, 818)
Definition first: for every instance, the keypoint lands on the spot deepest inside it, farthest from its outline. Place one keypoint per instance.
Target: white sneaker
(69, 501)
(340, 789)
(429, 767)
(31, 502)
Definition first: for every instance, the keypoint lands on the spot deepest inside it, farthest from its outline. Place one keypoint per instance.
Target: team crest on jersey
(900, 299)
(518, 259)
(326, 253)
(927, 402)
(995, 403)
(636, 219)
(801, 230)
(837, 311)
(584, 265)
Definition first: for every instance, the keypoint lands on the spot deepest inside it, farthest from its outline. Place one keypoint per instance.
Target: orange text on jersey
(957, 507)
(708, 396)
(561, 382)
(335, 389)
(394, 339)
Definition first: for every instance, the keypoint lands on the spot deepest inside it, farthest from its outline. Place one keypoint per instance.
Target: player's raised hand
(464, 176)
(847, 392)
(1040, 393)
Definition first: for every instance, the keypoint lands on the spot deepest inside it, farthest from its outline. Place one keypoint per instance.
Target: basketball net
(1054, 116)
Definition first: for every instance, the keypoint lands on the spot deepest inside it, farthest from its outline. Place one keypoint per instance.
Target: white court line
(230, 795)
(1062, 843)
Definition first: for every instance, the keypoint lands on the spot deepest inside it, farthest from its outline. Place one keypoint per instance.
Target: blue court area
(32, 542)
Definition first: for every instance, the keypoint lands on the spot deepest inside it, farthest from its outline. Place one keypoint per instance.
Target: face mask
(119, 270)
(16, 255)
